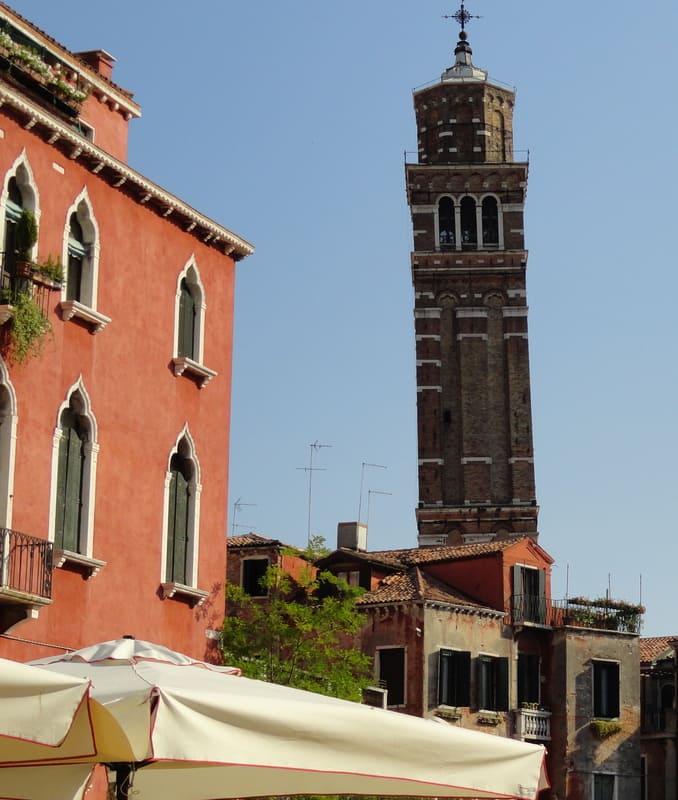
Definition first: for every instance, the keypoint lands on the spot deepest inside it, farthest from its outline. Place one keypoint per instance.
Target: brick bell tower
(466, 194)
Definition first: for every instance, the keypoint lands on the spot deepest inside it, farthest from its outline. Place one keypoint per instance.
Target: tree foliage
(302, 634)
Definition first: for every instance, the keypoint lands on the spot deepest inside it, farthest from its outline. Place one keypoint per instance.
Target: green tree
(302, 634)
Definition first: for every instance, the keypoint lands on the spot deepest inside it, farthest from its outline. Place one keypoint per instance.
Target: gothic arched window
(469, 224)
(490, 222)
(446, 224)
(69, 482)
(178, 518)
(188, 313)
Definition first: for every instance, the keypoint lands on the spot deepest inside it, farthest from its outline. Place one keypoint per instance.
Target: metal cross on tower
(462, 16)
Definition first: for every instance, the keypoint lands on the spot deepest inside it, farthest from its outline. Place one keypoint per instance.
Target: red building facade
(114, 436)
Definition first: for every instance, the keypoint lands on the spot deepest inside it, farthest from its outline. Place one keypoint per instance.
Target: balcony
(25, 577)
(578, 612)
(532, 725)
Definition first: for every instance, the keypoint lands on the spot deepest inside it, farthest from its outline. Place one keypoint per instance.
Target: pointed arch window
(469, 224)
(178, 519)
(69, 502)
(74, 461)
(81, 256)
(188, 316)
(181, 525)
(446, 224)
(8, 422)
(77, 255)
(189, 327)
(19, 196)
(490, 222)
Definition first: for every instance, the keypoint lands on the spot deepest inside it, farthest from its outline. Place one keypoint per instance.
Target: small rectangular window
(392, 673)
(603, 786)
(492, 683)
(253, 570)
(605, 689)
(454, 678)
(528, 678)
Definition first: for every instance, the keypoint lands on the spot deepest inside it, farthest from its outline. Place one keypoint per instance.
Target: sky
(288, 123)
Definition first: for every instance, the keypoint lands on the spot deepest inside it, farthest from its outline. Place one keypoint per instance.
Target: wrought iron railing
(612, 615)
(530, 608)
(25, 564)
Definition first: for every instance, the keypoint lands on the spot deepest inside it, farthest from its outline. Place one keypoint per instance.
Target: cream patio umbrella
(173, 727)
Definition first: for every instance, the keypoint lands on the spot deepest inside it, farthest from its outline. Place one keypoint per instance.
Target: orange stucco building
(114, 424)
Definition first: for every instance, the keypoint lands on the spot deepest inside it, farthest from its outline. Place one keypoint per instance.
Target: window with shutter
(492, 683)
(454, 677)
(528, 678)
(187, 318)
(70, 468)
(178, 520)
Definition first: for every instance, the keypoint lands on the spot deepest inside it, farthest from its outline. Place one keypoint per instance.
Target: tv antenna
(314, 447)
(237, 507)
(370, 492)
(362, 476)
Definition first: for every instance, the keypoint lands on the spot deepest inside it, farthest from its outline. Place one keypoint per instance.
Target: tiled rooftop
(414, 585)
(654, 647)
(251, 540)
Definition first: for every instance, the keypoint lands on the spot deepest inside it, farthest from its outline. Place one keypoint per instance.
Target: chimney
(352, 536)
(98, 60)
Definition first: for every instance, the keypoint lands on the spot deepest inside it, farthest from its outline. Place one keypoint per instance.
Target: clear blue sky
(287, 122)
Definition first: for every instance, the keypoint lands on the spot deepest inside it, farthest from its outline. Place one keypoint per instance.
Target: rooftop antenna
(370, 492)
(237, 507)
(311, 469)
(362, 475)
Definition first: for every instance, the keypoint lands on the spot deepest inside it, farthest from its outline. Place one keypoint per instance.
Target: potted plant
(29, 327)
(49, 273)
(26, 235)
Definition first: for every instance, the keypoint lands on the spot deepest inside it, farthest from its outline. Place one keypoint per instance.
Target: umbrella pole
(123, 778)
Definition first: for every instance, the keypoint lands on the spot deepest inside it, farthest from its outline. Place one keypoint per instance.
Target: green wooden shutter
(463, 679)
(542, 597)
(444, 674)
(61, 491)
(171, 526)
(501, 684)
(177, 533)
(186, 344)
(70, 470)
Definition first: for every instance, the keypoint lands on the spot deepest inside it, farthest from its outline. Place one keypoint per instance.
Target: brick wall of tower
(476, 471)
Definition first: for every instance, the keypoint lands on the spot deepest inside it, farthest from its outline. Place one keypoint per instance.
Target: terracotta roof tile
(251, 540)
(411, 586)
(655, 647)
(427, 555)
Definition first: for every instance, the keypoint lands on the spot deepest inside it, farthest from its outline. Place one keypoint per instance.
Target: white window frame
(22, 172)
(615, 791)
(85, 558)
(7, 450)
(185, 446)
(84, 309)
(194, 367)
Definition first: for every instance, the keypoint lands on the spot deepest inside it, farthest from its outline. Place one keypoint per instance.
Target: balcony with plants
(37, 70)
(577, 612)
(25, 286)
